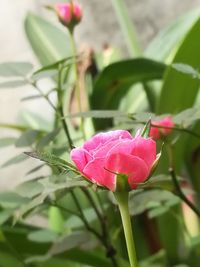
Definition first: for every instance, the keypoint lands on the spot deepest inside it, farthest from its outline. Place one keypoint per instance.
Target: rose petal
(95, 171)
(103, 150)
(102, 138)
(145, 148)
(154, 131)
(80, 157)
(167, 121)
(64, 11)
(124, 146)
(134, 167)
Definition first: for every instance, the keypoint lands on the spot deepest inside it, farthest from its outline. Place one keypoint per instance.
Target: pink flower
(77, 11)
(64, 12)
(115, 152)
(156, 132)
(69, 14)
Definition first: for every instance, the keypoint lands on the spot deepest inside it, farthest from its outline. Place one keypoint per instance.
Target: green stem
(122, 200)
(60, 108)
(77, 85)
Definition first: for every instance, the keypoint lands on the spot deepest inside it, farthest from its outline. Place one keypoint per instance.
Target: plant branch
(181, 194)
(60, 107)
(105, 236)
(82, 216)
(34, 84)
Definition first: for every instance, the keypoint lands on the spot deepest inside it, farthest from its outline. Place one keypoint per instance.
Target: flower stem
(77, 82)
(122, 200)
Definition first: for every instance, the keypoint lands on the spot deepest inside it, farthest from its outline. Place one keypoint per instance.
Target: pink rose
(64, 12)
(115, 152)
(69, 14)
(77, 11)
(156, 132)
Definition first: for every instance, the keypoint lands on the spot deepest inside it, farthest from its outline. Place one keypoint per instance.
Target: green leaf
(28, 138)
(160, 182)
(115, 80)
(179, 91)
(98, 114)
(17, 127)
(127, 27)
(11, 200)
(195, 241)
(8, 259)
(142, 201)
(156, 212)
(52, 69)
(15, 69)
(36, 121)
(48, 189)
(74, 222)
(187, 117)
(165, 43)
(29, 189)
(15, 160)
(49, 43)
(51, 160)
(186, 69)
(66, 243)
(7, 141)
(63, 244)
(35, 169)
(83, 257)
(13, 84)
(43, 236)
(157, 260)
(47, 139)
(5, 215)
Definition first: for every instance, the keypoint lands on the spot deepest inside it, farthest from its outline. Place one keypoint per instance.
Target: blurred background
(149, 17)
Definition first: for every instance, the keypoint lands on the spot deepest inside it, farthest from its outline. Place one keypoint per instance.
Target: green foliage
(82, 226)
(48, 42)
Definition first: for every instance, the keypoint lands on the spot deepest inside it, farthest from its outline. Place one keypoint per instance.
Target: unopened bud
(69, 14)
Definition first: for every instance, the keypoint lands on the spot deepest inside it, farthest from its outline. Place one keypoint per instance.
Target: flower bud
(161, 128)
(69, 14)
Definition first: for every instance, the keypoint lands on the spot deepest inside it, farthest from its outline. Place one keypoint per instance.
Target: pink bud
(69, 14)
(64, 12)
(77, 11)
(158, 132)
(116, 152)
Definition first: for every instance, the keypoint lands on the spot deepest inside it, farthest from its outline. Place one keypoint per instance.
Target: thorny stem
(176, 183)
